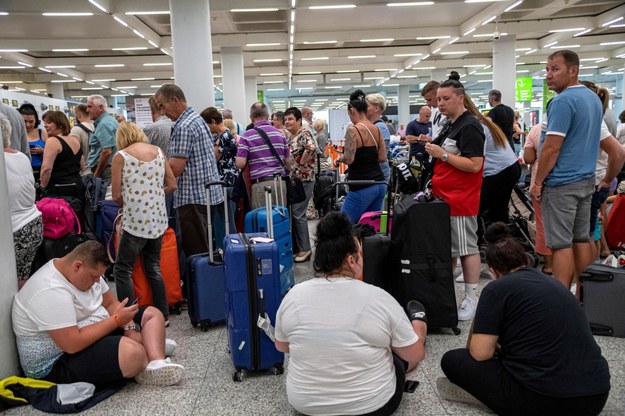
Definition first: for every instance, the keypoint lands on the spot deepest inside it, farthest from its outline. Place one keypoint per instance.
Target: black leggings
(495, 196)
(491, 384)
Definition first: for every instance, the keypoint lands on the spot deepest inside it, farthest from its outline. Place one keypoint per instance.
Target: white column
(439, 75)
(56, 89)
(8, 282)
(193, 51)
(403, 105)
(251, 94)
(233, 79)
(504, 68)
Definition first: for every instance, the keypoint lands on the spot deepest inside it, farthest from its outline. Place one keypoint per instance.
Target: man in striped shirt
(254, 151)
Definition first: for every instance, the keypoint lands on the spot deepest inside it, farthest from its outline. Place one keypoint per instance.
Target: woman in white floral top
(141, 176)
(303, 149)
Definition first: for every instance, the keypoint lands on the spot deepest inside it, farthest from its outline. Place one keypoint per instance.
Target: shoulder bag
(295, 192)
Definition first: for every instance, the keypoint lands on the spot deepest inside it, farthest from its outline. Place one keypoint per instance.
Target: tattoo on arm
(349, 151)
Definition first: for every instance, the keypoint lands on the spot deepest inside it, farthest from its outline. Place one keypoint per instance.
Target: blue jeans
(363, 200)
(130, 247)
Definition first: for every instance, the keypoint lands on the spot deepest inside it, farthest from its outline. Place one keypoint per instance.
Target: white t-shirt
(340, 331)
(49, 301)
(438, 121)
(21, 190)
(602, 160)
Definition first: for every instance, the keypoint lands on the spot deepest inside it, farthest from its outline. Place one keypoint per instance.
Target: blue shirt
(192, 140)
(102, 137)
(576, 115)
(497, 158)
(415, 128)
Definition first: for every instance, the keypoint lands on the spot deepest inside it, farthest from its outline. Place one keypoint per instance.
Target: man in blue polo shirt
(193, 162)
(102, 140)
(564, 181)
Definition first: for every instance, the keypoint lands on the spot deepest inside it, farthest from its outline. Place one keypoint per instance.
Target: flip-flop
(547, 273)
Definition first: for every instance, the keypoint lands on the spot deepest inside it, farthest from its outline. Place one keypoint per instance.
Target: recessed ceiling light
(620, 42)
(133, 48)
(268, 60)
(362, 86)
(309, 73)
(13, 50)
(333, 87)
(25, 64)
(260, 9)
(263, 44)
(11, 82)
(361, 57)
(455, 53)
(571, 29)
(319, 58)
(66, 14)
(412, 3)
(156, 86)
(512, 6)
(333, 6)
(71, 50)
(136, 32)
(340, 79)
(487, 21)
(109, 65)
(276, 74)
(347, 71)
(566, 46)
(158, 64)
(319, 42)
(63, 80)
(127, 87)
(273, 82)
(104, 80)
(378, 40)
(424, 68)
(608, 23)
(99, 6)
(305, 80)
(60, 66)
(120, 21)
(92, 88)
(401, 55)
(433, 37)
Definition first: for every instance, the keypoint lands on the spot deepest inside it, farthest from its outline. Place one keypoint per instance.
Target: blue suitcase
(205, 277)
(256, 222)
(252, 291)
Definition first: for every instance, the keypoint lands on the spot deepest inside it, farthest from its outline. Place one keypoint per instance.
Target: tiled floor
(208, 388)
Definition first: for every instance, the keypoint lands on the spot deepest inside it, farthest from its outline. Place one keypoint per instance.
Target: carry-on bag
(257, 221)
(615, 225)
(253, 295)
(55, 248)
(421, 254)
(603, 299)
(205, 276)
(105, 218)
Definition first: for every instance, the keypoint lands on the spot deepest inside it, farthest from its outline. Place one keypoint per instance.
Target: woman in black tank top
(364, 149)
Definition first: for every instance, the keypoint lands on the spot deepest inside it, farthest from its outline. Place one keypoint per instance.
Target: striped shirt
(158, 133)
(191, 140)
(261, 160)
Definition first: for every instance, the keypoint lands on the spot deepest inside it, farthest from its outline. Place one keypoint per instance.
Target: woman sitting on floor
(350, 343)
(531, 350)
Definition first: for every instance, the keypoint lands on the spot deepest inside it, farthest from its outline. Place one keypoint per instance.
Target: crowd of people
(66, 318)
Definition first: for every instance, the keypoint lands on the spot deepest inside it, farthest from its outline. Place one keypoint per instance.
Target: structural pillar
(56, 89)
(251, 92)
(504, 68)
(403, 105)
(8, 281)
(233, 80)
(193, 51)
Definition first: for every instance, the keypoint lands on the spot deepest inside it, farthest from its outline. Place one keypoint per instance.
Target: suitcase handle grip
(598, 329)
(209, 219)
(597, 276)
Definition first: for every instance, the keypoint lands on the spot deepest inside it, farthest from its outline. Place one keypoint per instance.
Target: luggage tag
(264, 323)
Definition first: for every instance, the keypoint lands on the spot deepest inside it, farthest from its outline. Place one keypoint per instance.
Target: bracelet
(131, 327)
(117, 321)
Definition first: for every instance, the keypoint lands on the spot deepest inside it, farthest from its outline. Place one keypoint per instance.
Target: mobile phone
(411, 386)
(137, 299)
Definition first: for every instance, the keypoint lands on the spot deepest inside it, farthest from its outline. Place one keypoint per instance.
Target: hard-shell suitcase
(256, 222)
(422, 260)
(205, 276)
(253, 292)
(603, 299)
(170, 270)
(379, 220)
(615, 226)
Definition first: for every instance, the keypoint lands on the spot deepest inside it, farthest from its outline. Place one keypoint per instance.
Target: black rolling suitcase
(421, 260)
(603, 299)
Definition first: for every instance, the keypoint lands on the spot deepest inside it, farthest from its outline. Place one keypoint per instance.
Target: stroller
(521, 223)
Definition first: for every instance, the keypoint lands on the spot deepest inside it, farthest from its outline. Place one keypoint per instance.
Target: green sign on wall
(260, 96)
(524, 89)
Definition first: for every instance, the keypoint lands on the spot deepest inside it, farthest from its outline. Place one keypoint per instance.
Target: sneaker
(467, 308)
(416, 311)
(452, 392)
(170, 347)
(460, 278)
(160, 373)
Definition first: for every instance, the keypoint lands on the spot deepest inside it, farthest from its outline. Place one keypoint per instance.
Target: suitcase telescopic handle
(269, 211)
(209, 219)
(597, 276)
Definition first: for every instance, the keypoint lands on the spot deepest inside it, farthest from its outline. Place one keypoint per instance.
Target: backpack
(59, 218)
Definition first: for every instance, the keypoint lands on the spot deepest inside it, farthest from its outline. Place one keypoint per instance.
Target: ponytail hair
(499, 138)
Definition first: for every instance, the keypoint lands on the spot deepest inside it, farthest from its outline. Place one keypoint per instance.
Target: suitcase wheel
(278, 369)
(238, 375)
(194, 323)
(204, 325)
(456, 330)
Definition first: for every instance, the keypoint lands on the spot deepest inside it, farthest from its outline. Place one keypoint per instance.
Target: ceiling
(302, 55)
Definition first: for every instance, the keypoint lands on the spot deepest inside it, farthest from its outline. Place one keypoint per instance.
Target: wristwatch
(444, 157)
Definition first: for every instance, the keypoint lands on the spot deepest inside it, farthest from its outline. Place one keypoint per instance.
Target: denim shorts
(566, 213)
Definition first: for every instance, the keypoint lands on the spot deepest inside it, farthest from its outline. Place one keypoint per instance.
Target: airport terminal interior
(297, 53)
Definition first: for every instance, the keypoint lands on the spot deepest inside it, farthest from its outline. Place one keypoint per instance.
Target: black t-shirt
(503, 116)
(415, 128)
(545, 338)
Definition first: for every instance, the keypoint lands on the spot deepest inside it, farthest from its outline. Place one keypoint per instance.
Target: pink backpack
(59, 219)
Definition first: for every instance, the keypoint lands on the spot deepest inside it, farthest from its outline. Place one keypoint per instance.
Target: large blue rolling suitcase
(205, 277)
(280, 231)
(252, 292)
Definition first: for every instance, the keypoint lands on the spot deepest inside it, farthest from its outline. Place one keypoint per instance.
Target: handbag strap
(262, 134)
